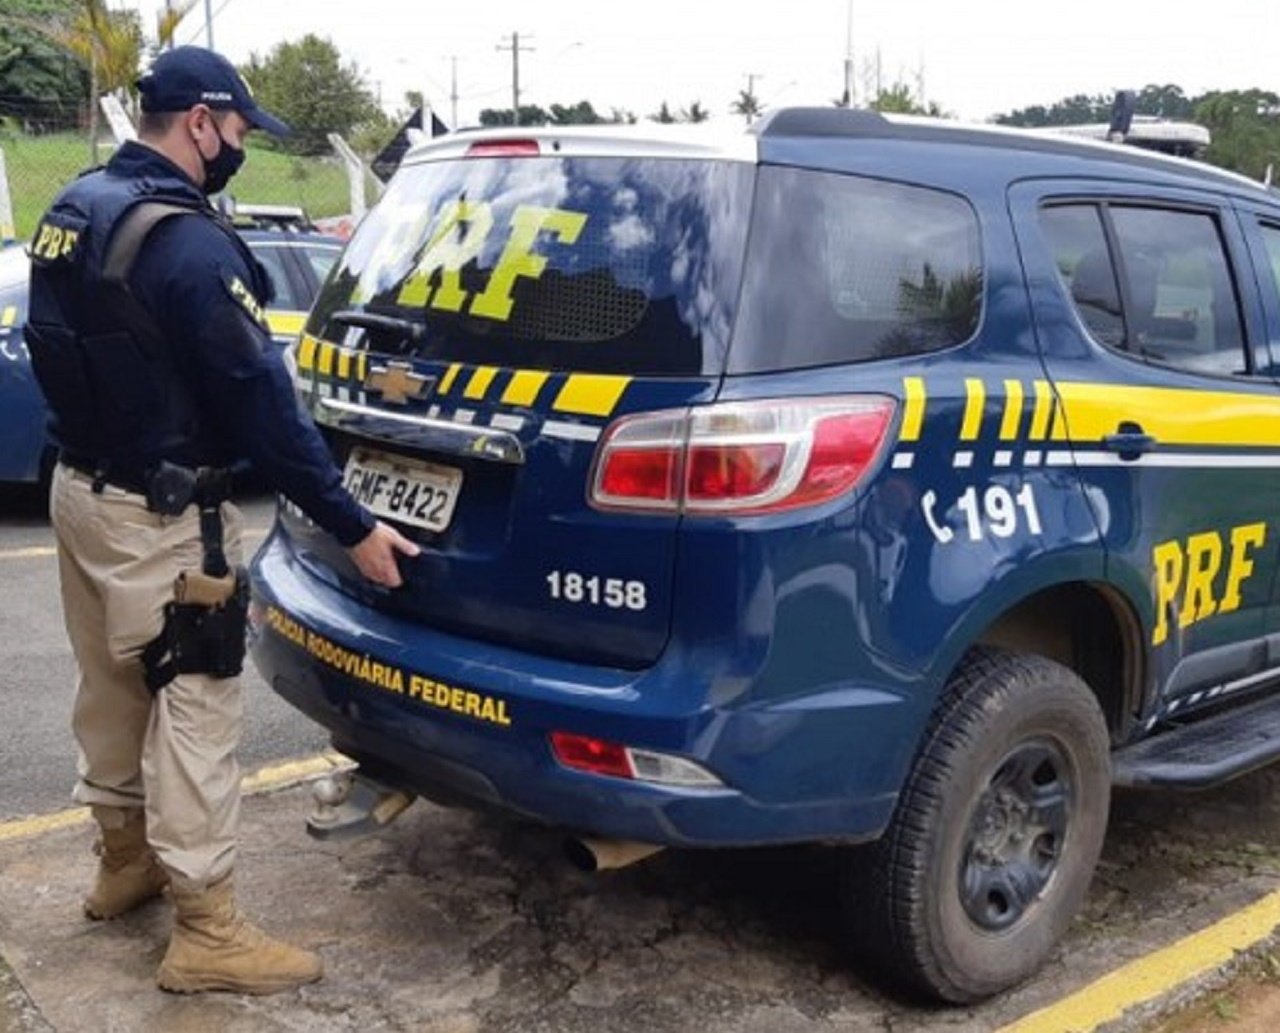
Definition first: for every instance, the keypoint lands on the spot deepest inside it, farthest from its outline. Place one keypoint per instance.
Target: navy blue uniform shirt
(186, 276)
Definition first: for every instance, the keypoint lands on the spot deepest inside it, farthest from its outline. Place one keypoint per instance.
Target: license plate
(406, 490)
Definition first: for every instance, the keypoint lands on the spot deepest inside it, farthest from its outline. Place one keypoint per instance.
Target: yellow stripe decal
(1044, 406)
(590, 394)
(362, 366)
(1152, 976)
(1012, 410)
(913, 415)
(9, 316)
(479, 382)
(450, 375)
(1173, 416)
(976, 400)
(327, 353)
(524, 387)
(286, 324)
(307, 352)
(344, 364)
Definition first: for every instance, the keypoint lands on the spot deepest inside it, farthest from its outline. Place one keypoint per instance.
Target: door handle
(1130, 441)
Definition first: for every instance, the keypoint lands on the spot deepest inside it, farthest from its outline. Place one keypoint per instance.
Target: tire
(996, 834)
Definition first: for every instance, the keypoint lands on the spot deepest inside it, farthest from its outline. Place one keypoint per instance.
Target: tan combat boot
(128, 872)
(213, 947)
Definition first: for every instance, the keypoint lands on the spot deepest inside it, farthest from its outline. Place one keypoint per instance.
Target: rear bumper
(467, 722)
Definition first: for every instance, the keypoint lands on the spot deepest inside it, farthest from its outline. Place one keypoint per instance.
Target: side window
(1080, 252)
(272, 259)
(321, 259)
(1271, 237)
(1182, 305)
(1164, 294)
(846, 269)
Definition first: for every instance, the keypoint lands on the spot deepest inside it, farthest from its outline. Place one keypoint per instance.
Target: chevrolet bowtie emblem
(397, 382)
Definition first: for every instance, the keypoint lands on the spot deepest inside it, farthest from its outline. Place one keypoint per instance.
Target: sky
(976, 58)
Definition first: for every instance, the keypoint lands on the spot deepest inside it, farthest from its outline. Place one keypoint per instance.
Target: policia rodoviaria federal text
(146, 334)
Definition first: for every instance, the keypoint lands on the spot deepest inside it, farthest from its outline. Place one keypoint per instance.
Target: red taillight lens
(741, 458)
(504, 149)
(641, 474)
(725, 472)
(583, 753)
(843, 448)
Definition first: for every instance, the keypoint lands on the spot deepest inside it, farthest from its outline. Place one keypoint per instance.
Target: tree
(580, 114)
(530, 115)
(663, 115)
(42, 84)
(695, 112)
(105, 42)
(1245, 129)
(747, 105)
(307, 84)
(899, 100)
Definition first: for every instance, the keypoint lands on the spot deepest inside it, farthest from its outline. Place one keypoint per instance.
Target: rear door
(488, 320)
(1153, 337)
(1262, 230)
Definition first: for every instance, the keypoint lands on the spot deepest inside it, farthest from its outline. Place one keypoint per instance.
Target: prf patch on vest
(58, 239)
(244, 297)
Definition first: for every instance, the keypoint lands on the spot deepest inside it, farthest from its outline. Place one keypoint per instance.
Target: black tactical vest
(107, 373)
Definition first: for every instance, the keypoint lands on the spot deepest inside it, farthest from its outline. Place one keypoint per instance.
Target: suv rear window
(606, 265)
(844, 269)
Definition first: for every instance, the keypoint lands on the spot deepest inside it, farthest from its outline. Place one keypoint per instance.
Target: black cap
(183, 77)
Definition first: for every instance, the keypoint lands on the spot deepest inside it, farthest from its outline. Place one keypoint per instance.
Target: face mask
(219, 169)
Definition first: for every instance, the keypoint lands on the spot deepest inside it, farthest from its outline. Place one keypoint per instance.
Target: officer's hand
(375, 555)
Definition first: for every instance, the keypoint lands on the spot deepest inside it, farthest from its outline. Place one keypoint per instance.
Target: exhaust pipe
(597, 855)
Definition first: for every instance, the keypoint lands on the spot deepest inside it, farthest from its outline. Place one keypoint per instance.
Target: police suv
(852, 480)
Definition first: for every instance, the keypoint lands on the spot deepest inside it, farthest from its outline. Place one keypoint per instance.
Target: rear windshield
(599, 265)
(845, 269)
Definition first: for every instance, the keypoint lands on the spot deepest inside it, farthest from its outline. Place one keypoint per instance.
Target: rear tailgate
(489, 319)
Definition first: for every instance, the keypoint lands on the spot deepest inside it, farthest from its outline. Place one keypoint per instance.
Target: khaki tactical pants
(174, 753)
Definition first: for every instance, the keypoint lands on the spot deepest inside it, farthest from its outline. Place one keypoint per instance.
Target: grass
(39, 166)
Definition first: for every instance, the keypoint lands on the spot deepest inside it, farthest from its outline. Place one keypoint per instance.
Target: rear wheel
(996, 835)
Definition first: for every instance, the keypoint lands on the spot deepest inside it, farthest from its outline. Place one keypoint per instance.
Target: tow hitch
(350, 804)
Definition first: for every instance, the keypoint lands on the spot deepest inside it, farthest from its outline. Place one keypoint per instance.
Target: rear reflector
(504, 149)
(597, 757)
(741, 458)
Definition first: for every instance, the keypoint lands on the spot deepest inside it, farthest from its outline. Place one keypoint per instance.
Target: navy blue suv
(890, 484)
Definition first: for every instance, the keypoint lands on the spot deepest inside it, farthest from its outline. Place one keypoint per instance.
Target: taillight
(741, 457)
(504, 149)
(598, 757)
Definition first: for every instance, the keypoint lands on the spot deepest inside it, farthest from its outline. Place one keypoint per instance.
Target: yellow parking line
(278, 776)
(28, 553)
(1154, 975)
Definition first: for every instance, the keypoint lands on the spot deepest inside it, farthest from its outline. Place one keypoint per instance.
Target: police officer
(146, 331)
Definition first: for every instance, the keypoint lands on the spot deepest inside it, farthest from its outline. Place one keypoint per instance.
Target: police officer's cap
(183, 77)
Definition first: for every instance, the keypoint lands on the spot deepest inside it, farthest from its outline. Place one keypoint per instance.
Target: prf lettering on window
(461, 231)
(1201, 575)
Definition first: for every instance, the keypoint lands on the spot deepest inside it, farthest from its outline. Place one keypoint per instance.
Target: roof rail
(822, 122)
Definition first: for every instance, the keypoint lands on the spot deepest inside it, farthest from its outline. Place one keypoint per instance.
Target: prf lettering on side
(459, 236)
(1188, 570)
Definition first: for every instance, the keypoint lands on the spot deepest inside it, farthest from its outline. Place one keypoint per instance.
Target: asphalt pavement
(37, 673)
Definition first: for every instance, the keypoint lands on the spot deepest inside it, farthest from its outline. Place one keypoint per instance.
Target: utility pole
(848, 97)
(208, 22)
(513, 44)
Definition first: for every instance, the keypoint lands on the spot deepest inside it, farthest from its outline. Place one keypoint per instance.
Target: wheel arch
(1088, 627)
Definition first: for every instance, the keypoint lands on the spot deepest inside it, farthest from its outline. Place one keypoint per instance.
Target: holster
(204, 626)
(204, 629)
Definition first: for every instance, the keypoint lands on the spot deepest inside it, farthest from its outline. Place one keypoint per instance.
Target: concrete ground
(450, 922)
